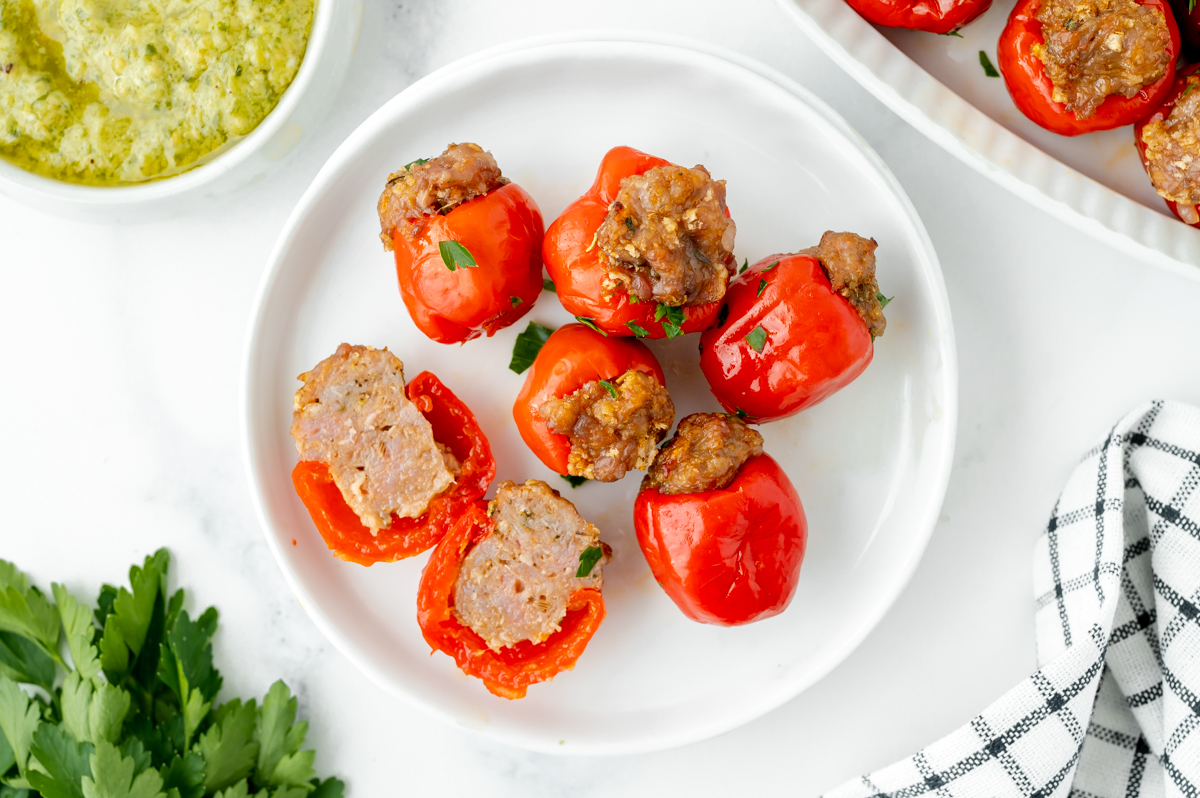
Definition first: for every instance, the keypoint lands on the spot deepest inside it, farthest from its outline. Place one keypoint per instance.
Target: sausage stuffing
(706, 454)
(515, 583)
(1173, 152)
(849, 262)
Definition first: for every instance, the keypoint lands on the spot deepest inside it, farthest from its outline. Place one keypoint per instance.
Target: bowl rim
(904, 570)
(49, 188)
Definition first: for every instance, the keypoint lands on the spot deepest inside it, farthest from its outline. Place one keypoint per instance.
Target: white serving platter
(871, 464)
(1093, 182)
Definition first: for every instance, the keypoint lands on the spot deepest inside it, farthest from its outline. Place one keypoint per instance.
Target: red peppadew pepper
(502, 231)
(578, 274)
(509, 671)
(926, 15)
(729, 556)
(1033, 92)
(572, 356)
(1178, 90)
(455, 427)
(787, 341)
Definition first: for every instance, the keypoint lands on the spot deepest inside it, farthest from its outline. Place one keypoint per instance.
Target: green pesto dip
(112, 92)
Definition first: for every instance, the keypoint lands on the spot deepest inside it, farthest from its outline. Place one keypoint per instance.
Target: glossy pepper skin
(1158, 114)
(509, 671)
(815, 344)
(1033, 93)
(572, 356)
(454, 426)
(729, 556)
(575, 267)
(503, 232)
(926, 15)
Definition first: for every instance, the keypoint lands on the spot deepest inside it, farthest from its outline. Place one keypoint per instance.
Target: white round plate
(870, 464)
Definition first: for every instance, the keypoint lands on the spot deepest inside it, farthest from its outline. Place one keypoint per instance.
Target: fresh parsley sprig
(528, 344)
(135, 713)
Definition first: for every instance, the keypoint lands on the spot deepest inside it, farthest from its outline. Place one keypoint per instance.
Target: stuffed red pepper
(647, 251)
(467, 243)
(1168, 142)
(385, 468)
(926, 15)
(795, 329)
(512, 592)
(720, 523)
(593, 406)
(1081, 67)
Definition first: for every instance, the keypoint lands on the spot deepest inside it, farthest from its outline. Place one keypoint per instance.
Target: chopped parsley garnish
(883, 300)
(151, 49)
(986, 63)
(137, 713)
(723, 315)
(672, 324)
(548, 285)
(608, 386)
(591, 325)
(238, 72)
(745, 265)
(515, 300)
(637, 329)
(417, 162)
(629, 224)
(1191, 85)
(756, 338)
(771, 265)
(588, 559)
(456, 256)
(700, 256)
(741, 413)
(762, 286)
(527, 346)
(952, 33)
(575, 481)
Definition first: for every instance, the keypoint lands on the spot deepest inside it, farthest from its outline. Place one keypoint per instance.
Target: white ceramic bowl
(870, 463)
(330, 44)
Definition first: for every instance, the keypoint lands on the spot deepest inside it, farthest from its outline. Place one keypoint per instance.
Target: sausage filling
(353, 415)
(614, 427)
(437, 185)
(1173, 152)
(1097, 48)
(706, 453)
(667, 239)
(849, 262)
(516, 583)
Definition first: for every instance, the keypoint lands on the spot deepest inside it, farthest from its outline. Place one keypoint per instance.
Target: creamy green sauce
(110, 92)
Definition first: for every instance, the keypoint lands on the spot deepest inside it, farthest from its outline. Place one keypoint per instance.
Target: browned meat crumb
(706, 453)
(611, 435)
(515, 583)
(667, 239)
(352, 414)
(1096, 48)
(1173, 152)
(439, 185)
(849, 262)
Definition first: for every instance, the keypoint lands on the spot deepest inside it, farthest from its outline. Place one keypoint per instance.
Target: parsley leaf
(986, 63)
(548, 285)
(757, 338)
(608, 386)
(80, 631)
(65, 762)
(417, 162)
(19, 718)
(228, 747)
(574, 480)
(629, 224)
(185, 667)
(770, 266)
(280, 760)
(588, 559)
(590, 324)
(527, 346)
(456, 256)
(515, 300)
(116, 776)
(638, 330)
(330, 788)
(700, 256)
(952, 33)
(745, 265)
(741, 413)
(24, 610)
(883, 300)
(762, 286)
(23, 661)
(133, 611)
(185, 774)
(673, 325)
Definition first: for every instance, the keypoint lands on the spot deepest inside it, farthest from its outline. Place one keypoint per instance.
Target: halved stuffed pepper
(467, 243)
(795, 329)
(1168, 143)
(647, 251)
(385, 469)
(720, 524)
(593, 406)
(1078, 67)
(512, 593)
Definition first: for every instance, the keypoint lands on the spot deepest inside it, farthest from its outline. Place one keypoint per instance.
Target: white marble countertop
(119, 422)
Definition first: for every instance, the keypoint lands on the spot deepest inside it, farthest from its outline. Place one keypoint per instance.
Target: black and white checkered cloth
(1114, 709)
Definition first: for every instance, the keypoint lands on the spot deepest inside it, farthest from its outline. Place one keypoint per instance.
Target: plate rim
(946, 346)
(991, 149)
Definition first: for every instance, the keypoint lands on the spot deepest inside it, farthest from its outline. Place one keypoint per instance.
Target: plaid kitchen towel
(1114, 709)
